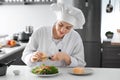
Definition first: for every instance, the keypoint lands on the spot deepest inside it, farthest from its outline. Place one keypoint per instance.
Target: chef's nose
(63, 29)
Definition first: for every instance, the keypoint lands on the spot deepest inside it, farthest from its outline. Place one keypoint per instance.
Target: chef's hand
(61, 56)
(37, 56)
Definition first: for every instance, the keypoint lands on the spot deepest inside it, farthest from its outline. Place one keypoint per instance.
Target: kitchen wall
(110, 21)
(14, 18)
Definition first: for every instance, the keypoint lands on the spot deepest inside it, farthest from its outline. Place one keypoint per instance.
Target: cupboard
(110, 55)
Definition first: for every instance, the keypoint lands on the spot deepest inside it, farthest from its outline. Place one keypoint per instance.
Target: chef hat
(69, 14)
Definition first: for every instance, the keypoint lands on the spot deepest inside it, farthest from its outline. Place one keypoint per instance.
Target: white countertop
(98, 74)
(11, 50)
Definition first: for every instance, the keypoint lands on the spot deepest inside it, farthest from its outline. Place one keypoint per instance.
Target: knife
(49, 57)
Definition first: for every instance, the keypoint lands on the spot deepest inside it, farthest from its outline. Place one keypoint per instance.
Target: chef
(60, 44)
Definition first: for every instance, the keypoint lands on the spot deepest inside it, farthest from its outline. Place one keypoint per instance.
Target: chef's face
(62, 28)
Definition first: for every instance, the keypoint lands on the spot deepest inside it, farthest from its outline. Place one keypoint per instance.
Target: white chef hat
(69, 14)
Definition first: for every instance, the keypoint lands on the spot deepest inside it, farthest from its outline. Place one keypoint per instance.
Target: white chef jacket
(42, 40)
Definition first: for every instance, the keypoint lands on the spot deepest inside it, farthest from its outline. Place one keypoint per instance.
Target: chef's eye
(68, 27)
(60, 24)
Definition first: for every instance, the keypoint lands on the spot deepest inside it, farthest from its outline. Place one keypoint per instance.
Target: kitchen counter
(11, 50)
(98, 74)
(11, 53)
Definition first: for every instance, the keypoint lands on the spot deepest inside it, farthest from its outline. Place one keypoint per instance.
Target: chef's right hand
(37, 56)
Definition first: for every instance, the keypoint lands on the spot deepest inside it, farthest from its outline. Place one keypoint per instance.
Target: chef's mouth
(61, 33)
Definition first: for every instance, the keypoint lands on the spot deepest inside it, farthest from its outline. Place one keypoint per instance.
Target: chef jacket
(42, 40)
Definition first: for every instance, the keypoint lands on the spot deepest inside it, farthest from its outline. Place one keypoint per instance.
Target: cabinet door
(111, 56)
(111, 53)
(14, 56)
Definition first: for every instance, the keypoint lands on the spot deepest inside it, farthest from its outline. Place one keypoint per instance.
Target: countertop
(98, 74)
(11, 50)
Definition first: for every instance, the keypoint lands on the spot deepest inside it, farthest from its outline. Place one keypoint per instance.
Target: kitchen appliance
(29, 29)
(3, 67)
(15, 36)
(91, 31)
(24, 37)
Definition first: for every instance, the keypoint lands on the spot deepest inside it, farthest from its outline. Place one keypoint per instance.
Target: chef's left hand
(61, 56)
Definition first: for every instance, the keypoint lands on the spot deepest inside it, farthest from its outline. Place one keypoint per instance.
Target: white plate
(47, 75)
(87, 71)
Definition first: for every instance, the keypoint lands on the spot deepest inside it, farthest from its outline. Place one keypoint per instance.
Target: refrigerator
(91, 31)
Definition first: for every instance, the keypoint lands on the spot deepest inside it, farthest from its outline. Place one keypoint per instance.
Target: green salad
(45, 70)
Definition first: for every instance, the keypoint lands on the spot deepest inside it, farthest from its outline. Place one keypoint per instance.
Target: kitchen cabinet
(110, 55)
(14, 56)
(13, 53)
